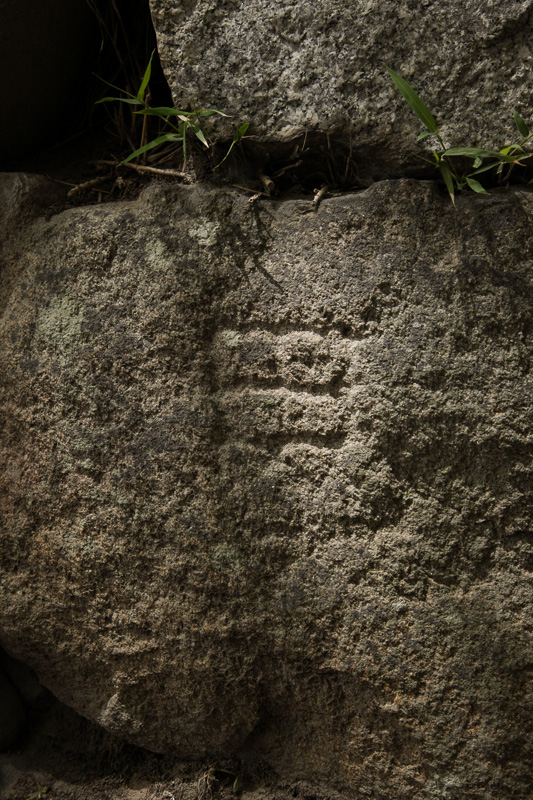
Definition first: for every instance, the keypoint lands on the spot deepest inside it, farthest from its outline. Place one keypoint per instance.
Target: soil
(63, 756)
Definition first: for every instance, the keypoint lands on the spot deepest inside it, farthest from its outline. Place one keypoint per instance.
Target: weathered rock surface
(291, 67)
(268, 485)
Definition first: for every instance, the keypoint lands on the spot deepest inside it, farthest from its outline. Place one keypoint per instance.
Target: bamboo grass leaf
(239, 133)
(448, 180)
(209, 113)
(476, 186)
(131, 100)
(414, 101)
(164, 111)
(521, 126)
(485, 168)
(167, 137)
(198, 132)
(145, 80)
(475, 152)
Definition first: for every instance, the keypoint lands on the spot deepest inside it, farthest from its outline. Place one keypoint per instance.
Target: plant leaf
(146, 79)
(112, 86)
(209, 113)
(199, 133)
(424, 135)
(416, 104)
(486, 168)
(476, 186)
(239, 133)
(522, 128)
(132, 101)
(164, 111)
(475, 152)
(167, 137)
(512, 148)
(448, 180)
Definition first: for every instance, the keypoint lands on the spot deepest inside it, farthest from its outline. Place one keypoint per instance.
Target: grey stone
(269, 480)
(294, 66)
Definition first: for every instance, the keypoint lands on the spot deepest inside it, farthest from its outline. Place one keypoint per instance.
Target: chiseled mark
(280, 416)
(302, 361)
(288, 388)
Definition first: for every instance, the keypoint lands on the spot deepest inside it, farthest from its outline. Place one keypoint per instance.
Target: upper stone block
(291, 67)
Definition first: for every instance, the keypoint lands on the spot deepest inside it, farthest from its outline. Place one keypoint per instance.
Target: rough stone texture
(291, 66)
(268, 485)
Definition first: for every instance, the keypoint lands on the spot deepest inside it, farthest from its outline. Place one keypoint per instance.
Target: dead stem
(81, 187)
(168, 173)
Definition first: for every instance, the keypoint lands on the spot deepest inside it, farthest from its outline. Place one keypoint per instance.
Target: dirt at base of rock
(63, 756)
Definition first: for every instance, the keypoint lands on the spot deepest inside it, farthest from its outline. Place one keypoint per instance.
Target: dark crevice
(124, 39)
(302, 166)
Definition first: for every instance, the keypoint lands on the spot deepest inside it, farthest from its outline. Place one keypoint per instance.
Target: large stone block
(268, 486)
(300, 66)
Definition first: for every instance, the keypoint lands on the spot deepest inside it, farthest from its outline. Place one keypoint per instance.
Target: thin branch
(281, 171)
(169, 173)
(267, 182)
(319, 195)
(81, 187)
(247, 189)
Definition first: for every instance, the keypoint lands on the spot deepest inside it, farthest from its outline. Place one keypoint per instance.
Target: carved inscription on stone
(283, 388)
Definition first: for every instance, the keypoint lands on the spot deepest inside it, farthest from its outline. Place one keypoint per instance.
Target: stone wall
(267, 484)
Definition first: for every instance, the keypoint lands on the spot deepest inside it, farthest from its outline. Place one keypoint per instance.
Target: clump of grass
(41, 791)
(180, 122)
(448, 160)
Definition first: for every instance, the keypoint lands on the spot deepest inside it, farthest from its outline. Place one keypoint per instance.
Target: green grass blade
(416, 104)
(476, 186)
(132, 101)
(146, 79)
(112, 85)
(513, 148)
(486, 168)
(209, 113)
(521, 126)
(198, 132)
(448, 180)
(239, 133)
(475, 152)
(167, 137)
(164, 111)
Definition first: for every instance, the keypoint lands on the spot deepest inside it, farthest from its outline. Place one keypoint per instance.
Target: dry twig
(319, 195)
(82, 187)
(267, 182)
(287, 168)
(169, 173)
(256, 195)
